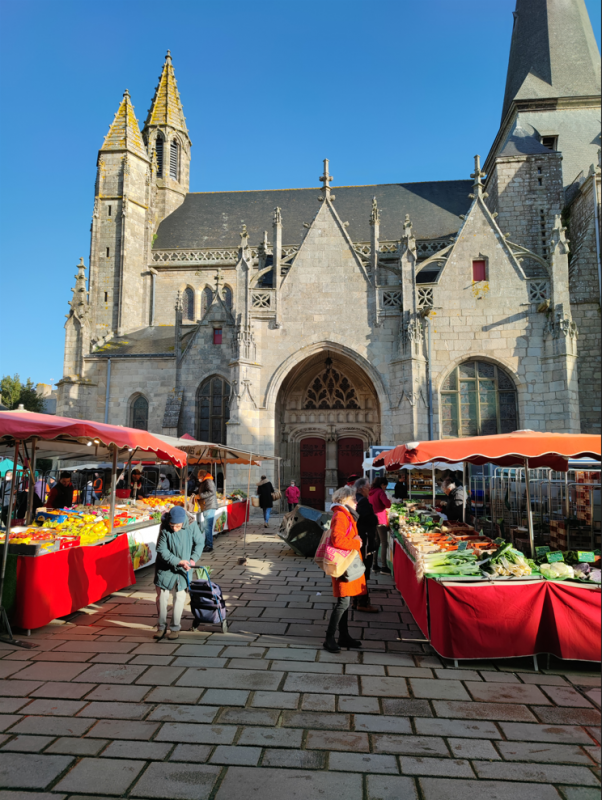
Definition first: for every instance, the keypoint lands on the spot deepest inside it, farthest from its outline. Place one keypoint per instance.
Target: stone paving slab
(102, 710)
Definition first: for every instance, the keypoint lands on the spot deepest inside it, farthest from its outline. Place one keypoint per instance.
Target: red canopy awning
(506, 450)
(24, 426)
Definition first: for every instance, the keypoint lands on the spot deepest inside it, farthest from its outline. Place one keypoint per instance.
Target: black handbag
(354, 571)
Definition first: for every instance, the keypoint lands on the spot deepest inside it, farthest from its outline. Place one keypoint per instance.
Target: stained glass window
(331, 389)
(478, 399)
(139, 413)
(213, 410)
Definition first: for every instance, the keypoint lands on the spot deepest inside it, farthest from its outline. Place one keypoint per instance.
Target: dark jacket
(137, 488)
(60, 496)
(366, 524)
(173, 547)
(264, 491)
(208, 494)
(455, 501)
(400, 492)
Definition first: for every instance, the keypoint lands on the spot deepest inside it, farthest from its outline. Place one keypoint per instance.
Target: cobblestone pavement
(99, 708)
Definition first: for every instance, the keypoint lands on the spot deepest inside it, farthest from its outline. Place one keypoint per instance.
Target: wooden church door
(313, 472)
(350, 458)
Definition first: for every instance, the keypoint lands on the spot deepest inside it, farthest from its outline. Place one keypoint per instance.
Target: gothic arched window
(159, 152)
(188, 303)
(227, 297)
(174, 159)
(331, 389)
(478, 399)
(213, 410)
(206, 300)
(139, 413)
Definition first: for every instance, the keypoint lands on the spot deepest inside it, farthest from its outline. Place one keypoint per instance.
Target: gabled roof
(214, 219)
(553, 52)
(166, 107)
(152, 341)
(124, 133)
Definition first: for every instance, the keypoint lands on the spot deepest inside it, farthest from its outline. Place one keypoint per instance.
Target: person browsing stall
(380, 504)
(136, 486)
(207, 496)
(344, 536)
(366, 527)
(456, 499)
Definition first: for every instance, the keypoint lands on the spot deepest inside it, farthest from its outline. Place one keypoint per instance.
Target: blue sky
(389, 90)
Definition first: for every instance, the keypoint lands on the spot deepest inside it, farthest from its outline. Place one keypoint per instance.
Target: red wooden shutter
(217, 336)
(479, 271)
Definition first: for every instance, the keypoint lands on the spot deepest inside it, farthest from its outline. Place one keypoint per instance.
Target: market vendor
(136, 486)
(61, 495)
(179, 547)
(456, 499)
(400, 492)
(163, 483)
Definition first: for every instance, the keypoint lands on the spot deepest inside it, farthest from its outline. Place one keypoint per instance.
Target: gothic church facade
(311, 323)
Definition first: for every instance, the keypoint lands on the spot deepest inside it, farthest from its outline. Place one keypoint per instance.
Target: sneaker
(207, 549)
(385, 570)
(173, 635)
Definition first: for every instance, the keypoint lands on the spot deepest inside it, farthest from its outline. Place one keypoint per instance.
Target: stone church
(312, 323)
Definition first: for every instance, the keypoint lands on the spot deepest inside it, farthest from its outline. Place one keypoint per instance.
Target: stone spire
(79, 301)
(124, 133)
(553, 52)
(478, 176)
(325, 179)
(166, 107)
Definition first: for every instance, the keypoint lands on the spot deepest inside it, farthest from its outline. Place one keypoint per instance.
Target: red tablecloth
(412, 590)
(237, 512)
(60, 583)
(472, 621)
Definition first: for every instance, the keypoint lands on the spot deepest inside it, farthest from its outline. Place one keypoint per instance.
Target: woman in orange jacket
(344, 536)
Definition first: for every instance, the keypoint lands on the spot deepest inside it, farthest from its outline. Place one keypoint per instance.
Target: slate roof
(523, 141)
(155, 340)
(553, 52)
(215, 219)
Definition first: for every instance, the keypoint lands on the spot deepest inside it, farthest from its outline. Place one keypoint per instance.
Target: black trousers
(339, 618)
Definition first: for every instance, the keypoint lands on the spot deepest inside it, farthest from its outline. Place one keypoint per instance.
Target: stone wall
(585, 305)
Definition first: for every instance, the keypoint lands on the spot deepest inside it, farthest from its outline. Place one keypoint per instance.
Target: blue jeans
(207, 527)
(266, 514)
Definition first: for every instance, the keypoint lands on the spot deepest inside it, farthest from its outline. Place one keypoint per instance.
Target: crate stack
(558, 534)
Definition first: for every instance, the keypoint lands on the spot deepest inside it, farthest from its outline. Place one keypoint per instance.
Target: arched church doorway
(329, 414)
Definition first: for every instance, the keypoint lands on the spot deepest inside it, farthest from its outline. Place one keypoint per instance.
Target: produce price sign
(552, 557)
(586, 558)
(541, 551)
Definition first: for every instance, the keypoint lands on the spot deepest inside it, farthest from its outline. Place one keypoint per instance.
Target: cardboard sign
(552, 557)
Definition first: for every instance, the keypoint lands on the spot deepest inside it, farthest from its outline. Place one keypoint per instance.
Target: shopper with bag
(352, 582)
(265, 491)
(179, 546)
(380, 504)
(207, 498)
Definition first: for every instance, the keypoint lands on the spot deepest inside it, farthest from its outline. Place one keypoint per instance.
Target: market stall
(474, 597)
(66, 559)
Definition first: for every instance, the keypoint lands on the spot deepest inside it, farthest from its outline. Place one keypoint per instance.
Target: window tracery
(331, 389)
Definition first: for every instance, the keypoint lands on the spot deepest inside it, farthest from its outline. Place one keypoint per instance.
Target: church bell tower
(168, 144)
